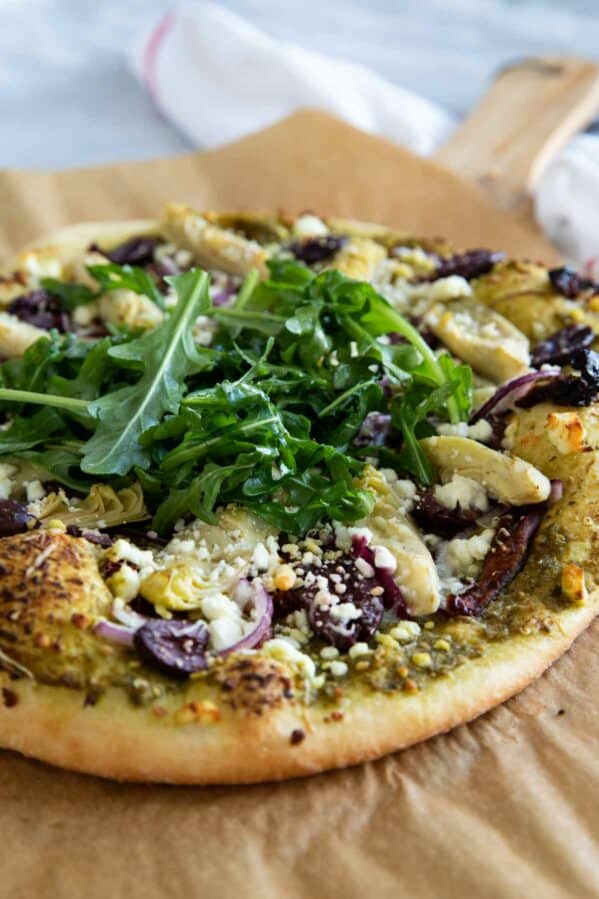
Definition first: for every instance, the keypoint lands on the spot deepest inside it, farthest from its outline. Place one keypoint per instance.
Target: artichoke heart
(483, 338)
(204, 559)
(103, 507)
(508, 478)
(213, 247)
(125, 307)
(415, 573)
(259, 227)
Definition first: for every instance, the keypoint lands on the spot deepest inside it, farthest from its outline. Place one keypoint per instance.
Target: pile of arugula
(266, 416)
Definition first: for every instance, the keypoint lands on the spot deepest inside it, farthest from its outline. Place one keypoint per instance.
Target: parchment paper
(504, 807)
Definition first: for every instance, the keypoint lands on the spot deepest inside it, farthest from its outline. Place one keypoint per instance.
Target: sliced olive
(175, 647)
(14, 518)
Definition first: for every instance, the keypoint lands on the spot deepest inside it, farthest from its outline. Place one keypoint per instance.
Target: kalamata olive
(135, 251)
(175, 647)
(558, 348)
(42, 309)
(508, 553)
(468, 265)
(14, 518)
(435, 518)
(317, 249)
(569, 390)
(569, 283)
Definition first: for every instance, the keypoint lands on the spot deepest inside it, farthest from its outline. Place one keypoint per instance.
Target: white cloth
(217, 77)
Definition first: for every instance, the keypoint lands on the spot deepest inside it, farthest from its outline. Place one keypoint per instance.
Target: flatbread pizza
(279, 495)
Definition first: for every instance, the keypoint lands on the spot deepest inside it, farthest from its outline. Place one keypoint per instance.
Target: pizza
(279, 495)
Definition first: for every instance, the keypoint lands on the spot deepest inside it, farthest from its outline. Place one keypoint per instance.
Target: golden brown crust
(184, 740)
(72, 240)
(51, 595)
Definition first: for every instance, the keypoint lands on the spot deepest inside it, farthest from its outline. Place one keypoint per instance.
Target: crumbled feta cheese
(449, 288)
(183, 258)
(123, 549)
(346, 611)
(462, 491)
(218, 606)
(460, 429)
(344, 536)
(384, 559)
(405, 491)
(329, 652)
(224, 632)
(481, 431)
(6, 479)
(364, 567)
(413, 256)
(464, 554)
(309, 226)
(261, 557)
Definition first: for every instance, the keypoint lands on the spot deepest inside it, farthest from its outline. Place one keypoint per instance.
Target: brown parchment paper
(503, 807)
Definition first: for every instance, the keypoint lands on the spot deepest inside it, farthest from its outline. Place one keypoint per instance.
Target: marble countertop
(67, 96)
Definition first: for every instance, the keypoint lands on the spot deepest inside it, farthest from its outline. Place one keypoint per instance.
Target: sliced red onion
(116, 633)
(507, 395)
(252, 593)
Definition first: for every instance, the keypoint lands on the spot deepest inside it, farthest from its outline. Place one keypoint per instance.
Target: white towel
(217, 77)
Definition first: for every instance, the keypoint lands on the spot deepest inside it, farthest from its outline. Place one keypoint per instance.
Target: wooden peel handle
(532, 108)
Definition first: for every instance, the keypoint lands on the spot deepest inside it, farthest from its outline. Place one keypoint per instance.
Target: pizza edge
(118, 740)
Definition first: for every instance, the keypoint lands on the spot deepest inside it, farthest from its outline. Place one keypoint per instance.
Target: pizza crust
(69, 242)
(117, 740)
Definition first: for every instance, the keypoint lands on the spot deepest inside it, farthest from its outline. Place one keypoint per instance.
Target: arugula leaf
(168, 355)
(30, 370)
(62, 464)
(409, 414)
(267, 417)
(90, 377)
(69, 404)
(126, 277)
(198, 499)
(25, 433)
(461, 377)
(70, 294)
